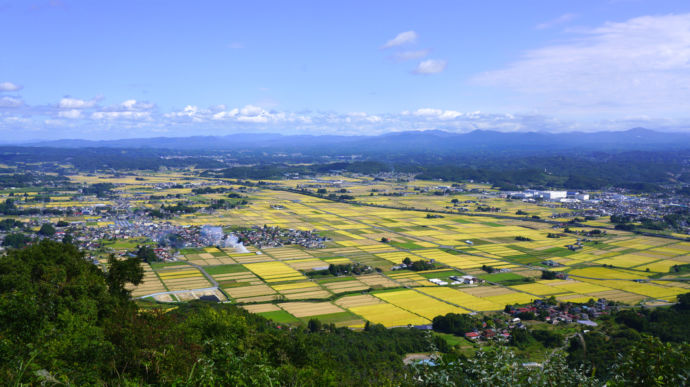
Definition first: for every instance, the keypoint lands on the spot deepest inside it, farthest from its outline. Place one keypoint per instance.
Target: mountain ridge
(635, 138)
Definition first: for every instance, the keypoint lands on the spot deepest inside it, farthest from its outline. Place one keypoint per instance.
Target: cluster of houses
(563, 313)
(554, 314)
(487, 334)
(267, 236)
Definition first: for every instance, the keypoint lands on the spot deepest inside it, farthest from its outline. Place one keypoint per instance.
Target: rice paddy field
(274, 282)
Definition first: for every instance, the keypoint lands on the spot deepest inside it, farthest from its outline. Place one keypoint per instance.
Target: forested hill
(412, 142)
(65, 322)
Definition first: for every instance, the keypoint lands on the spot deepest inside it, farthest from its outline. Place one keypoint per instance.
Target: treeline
(636, 171)
(677, 221)
(30, 179)
(92, 159)
(278, 171)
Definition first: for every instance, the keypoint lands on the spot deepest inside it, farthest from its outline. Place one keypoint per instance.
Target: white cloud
(402, 38)
(437, 113)
(9, 86)
(557, 21)
(75, 103)
(222, 115)
(255, 119)
(410, 55)
(134, 105)
(431, 66)
(54, 122)
(72, 114)
(129, 115)
(10, 102)
(639, 65)
(251, 110)
(427, 112)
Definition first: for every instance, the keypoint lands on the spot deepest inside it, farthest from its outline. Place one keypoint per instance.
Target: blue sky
(100, 70)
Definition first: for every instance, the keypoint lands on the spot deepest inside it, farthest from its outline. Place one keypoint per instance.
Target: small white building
(553, 195)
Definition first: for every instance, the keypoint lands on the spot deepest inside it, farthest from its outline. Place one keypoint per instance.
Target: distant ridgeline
(638, 159)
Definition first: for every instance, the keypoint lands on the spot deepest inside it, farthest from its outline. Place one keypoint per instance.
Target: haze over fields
(132, 69)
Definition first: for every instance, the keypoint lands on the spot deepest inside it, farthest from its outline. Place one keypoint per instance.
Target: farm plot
(388, 315)
(307, 264)
(243, 293)
(511, 298)
(287, 253)
(604, 273)
(232, 279)
(486, 291)
(261, 308)
(461, 299)
(406, 278)
(377, 281)
(667, 293)
(461, 261)
(301, 290)
(183, 278)
(307, 309)
(580, 287)
(626, 260)
(274, 271)
(538, 289)
(345, 286)
(348, 302)
(195, 259)
(419, 303)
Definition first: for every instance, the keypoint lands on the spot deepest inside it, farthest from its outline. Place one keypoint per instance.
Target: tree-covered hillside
(65, 322)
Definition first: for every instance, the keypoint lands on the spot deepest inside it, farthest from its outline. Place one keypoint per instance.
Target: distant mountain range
(431, 141)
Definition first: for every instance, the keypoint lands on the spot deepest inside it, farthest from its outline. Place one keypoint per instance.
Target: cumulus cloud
(431, 66)
(9, 86)
(557, 21)
(75, 103)
(437, 113)
(130, 109)
(401, 39)
(72, 114)
(114, 115)
(639, 65)
(134, 105)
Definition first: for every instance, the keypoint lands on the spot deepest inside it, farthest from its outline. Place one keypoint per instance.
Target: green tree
(47, 229)
(16, 240)
(122, 272)
(146, 253)
(314, 325)
(653, 363)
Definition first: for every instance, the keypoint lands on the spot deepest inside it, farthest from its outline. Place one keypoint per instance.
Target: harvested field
(353, 301)
(306, 309)
(249, 291)
(260, 308)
